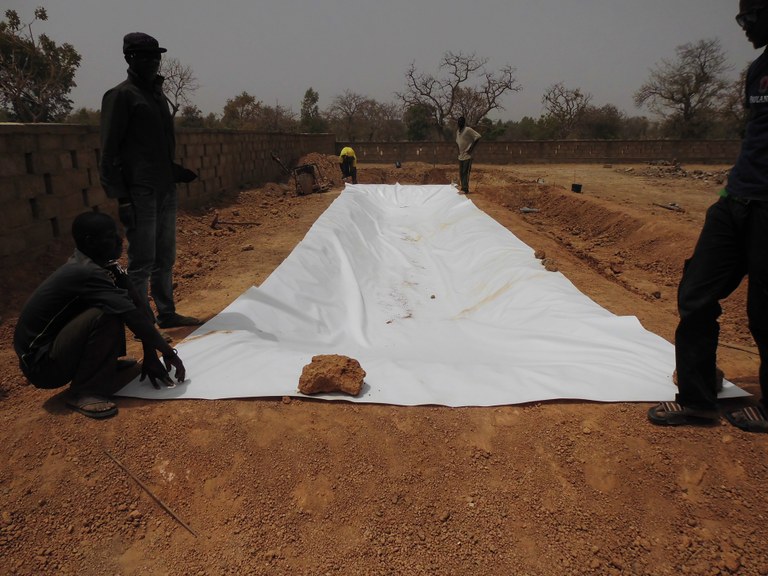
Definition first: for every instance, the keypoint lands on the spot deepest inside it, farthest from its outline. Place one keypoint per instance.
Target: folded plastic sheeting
(438, 302)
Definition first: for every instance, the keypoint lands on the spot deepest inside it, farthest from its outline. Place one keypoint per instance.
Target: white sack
(438, 302)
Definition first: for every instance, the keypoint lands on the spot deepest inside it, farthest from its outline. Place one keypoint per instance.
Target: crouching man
(72, 328)
(348, 164)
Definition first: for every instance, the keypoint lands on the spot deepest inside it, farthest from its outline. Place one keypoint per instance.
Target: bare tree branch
(450, 95)
(565, 107)
(346, 111)
(686, 89)
(180, 83)
(36, 75)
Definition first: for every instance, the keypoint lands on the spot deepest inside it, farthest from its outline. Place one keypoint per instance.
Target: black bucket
(576, 188)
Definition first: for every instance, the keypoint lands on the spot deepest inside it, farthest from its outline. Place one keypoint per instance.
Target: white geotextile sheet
(438, 302)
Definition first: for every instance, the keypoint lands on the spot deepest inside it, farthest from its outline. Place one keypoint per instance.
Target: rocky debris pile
(667, 169)
(549, 263)
(332, 373)
(327, 165)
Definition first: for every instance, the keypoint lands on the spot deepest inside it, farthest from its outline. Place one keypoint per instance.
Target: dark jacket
(138, 144)
(749, 176)
(76, 286)
(72, 289)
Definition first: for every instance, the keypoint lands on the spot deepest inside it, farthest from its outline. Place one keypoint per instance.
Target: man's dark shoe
(674, 414)
(177, 320)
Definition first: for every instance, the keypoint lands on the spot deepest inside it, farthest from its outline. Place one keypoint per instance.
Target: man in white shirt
(466, 140)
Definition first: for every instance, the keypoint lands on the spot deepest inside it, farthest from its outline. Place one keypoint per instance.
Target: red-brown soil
(284, 487)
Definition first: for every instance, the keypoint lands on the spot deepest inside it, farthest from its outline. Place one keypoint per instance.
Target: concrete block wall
(560, 151)
(49, 174)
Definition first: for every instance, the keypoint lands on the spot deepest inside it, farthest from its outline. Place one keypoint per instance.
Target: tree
(36, 74)
(311, 120)
(638, 128)
(191, 117)
(382, 121)
(603, 123)
(564, 107)
(452, 95)
(733, 113)
(418, 119)
(491, 130)
(242, 112)
(86, 116)
(180, 83)
(346, 114)
(526, 128)
(278, 119)
(212, 121)
(686, 91)
(353, 117)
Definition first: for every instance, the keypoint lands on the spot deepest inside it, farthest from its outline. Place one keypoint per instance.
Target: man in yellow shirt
(348, 164)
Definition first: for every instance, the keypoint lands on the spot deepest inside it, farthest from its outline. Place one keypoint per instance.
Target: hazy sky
(275, 50)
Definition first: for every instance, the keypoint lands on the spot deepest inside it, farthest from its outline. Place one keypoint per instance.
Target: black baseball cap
(140, 42)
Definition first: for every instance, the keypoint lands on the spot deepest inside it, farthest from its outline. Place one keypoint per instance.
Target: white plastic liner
(438, 302)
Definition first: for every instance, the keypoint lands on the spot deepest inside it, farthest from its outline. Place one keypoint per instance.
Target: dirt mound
(599, 232)
(640, 247)
(591, 226)
(665, 169)
(373, 176)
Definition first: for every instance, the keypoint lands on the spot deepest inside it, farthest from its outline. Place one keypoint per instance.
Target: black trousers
(733, 244)
(465, 167)
(84, 354)
(348, 170)
(152, 247)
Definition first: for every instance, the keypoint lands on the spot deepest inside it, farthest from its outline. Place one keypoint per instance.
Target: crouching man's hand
(187, 175)
(159, 372)
(173, 360)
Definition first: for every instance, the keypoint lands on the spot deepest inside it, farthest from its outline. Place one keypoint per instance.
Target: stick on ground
(673, 207)
(148, 491)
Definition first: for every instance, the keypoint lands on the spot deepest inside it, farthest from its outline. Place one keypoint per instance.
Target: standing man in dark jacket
(138, 148)
(732, 245)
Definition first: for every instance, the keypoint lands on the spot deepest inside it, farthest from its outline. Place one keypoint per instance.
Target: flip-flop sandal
(719, 377)
(673, 414)
(749, 419)
(93, 406)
